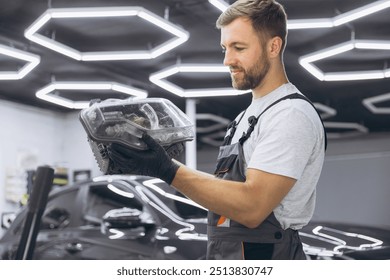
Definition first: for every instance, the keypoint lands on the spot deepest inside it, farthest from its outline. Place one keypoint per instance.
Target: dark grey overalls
(231, 240)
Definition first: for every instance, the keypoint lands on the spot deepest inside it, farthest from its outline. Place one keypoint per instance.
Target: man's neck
(269, 84)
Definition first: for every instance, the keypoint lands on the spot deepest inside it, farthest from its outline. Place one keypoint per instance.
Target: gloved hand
(153, 162)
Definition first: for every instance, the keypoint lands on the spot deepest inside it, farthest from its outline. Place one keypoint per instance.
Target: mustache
(235, 68)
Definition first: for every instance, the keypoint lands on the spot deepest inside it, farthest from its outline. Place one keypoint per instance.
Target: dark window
(103, 198)
(59, 210)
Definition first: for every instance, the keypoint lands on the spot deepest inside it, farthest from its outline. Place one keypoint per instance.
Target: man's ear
(275, 46)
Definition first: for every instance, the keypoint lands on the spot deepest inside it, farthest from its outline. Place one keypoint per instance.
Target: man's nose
(228, 59)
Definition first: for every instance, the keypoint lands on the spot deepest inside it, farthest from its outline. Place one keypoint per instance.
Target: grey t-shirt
(287, 140)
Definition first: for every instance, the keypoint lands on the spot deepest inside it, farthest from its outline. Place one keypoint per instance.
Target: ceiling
(340, 102)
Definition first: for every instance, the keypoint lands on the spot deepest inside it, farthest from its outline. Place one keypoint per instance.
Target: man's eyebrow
(232, 44)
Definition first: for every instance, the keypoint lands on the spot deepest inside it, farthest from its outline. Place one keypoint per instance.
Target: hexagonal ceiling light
(31, 32)
(219, 123)
(325, 22)
(215, 132)
(45, 93)
(307, 61)
(159, 78)
(351, 129)
(340, 19)
(32, 61)
(371, 101)
(325, 111)
(214, 139)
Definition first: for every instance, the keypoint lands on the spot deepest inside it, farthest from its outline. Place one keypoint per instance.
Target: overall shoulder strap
(253, 120)
(232, 126)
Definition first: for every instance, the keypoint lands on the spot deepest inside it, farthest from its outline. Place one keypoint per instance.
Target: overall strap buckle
(252, 120)
(228, 139)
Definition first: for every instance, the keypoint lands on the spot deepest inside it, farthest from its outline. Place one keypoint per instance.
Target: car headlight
(125, 121)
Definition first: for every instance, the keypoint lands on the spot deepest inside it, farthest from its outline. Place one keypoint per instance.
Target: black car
(137, 217)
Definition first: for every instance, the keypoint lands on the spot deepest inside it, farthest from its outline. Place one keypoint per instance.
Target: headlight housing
(125, 121)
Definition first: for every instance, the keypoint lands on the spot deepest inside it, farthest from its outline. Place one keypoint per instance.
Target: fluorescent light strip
(327, 111)
(220, 123)
(328, 52)
(94, 12)
(324, 22)
(56, 46)
(361, 12)
(32, 61)
(340, 19)
(346, 125)
(354, 76)
(41, 21)
(212, 139)
(372, 45)
(45, 92)
(309, 23)
(158, 79)
(307, 60)
(312, 69)
(219, 4)
(370, 104)
(99, 12)
(119, 55)
(356, 128)
(167, 46)
(162, 23)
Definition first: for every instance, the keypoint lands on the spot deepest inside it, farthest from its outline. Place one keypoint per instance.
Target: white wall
(354, 186)
(55, 139)
(27, 131)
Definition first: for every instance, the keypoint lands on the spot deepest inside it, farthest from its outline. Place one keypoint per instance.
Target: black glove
(153, 162)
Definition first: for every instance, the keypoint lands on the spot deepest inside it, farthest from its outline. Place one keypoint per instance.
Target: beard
(253, 76)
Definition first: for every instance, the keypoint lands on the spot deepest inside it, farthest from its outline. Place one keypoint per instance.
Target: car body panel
(138, 217)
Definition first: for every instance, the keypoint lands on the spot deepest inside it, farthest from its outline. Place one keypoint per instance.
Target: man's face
(244, 54)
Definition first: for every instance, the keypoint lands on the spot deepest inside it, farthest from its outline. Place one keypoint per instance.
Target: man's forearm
(248, 203)
(228, 198)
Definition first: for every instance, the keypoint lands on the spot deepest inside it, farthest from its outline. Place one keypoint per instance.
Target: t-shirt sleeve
(285, 143)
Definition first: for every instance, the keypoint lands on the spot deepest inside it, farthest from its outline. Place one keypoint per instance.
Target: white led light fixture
(307, 61)
(47, 93)
(32, 61)
(159, 78)
(31, 33)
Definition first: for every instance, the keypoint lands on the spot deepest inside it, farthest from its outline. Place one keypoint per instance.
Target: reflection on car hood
(330, 240)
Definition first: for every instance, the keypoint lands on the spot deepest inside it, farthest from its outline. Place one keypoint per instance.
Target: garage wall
(32, 137)
(354, 186)
(26, 141)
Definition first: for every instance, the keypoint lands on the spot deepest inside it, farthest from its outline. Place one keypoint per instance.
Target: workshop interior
(76, 74)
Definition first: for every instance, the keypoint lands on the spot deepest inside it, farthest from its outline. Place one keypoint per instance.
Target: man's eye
(223, 50)
(239, 49)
